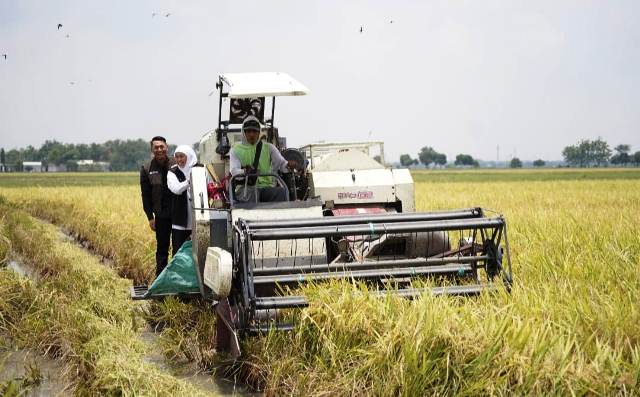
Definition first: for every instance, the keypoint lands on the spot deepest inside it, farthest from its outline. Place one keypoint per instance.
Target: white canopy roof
(251, 85)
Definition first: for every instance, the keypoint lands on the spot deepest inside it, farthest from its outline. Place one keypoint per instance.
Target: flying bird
(360, 29)
(71, 83)
(391, 21)
(167, 15)
(59, 26)
(153, 14)
(67, 36)
(5, 56)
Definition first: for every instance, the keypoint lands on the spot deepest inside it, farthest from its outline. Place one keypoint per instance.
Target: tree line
(597, 153)
(122, 155)
(585, 153)
(428, 156)
(128, 155)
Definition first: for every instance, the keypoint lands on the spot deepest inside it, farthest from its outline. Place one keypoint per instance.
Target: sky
(529, 77)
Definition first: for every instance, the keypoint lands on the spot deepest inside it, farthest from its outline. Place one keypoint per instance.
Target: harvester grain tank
(348, 217)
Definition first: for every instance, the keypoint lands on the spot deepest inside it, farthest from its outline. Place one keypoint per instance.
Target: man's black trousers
(178, 237)
(163, 238)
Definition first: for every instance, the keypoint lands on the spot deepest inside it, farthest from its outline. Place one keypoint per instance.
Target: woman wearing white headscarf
(178, 182)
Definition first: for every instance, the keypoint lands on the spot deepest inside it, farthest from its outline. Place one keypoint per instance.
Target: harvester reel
(278, 255)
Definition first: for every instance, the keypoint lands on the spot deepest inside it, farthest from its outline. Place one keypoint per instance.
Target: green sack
(179, 277)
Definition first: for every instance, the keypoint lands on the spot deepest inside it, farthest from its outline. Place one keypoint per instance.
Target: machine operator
(252, 155)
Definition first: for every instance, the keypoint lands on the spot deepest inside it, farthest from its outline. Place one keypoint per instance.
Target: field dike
(571, 326)
(77, 312)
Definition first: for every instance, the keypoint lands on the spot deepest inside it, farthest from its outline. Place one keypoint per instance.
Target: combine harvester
(348, 217)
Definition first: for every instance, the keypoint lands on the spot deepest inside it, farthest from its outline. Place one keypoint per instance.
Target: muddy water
(14, 365)
(21, 365)
(190, 373)
(17, 266)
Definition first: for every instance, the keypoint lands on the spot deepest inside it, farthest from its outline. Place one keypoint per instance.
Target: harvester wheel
(494, 263)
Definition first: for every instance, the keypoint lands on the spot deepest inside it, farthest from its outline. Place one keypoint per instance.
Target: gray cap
(251, 123)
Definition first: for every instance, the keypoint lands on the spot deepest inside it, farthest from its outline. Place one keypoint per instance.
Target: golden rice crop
(109, 219)
(570, 326)
(77, 311)
(113, 224)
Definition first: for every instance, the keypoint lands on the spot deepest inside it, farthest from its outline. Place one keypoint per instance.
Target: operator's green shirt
(246, 153)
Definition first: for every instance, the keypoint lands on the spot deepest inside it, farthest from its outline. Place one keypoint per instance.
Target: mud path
(189, 371)
(30, 374)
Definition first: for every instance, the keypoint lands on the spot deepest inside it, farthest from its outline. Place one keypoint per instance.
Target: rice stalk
(78, 313)
(571, 325)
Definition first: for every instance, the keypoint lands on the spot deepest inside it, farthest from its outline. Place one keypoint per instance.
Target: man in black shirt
(157, 198)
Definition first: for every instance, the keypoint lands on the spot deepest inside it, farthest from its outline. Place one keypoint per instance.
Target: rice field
(571, 325)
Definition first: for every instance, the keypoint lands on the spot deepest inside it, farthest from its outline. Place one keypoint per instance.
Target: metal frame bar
(372, 229)
(219, 86)
(401, 263)
(271, 131)
(452, 269)
(509, 281)
(466, 213)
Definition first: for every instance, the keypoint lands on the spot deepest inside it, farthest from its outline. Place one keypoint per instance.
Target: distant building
(56, 168)
(90, 165)
(32, 166)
